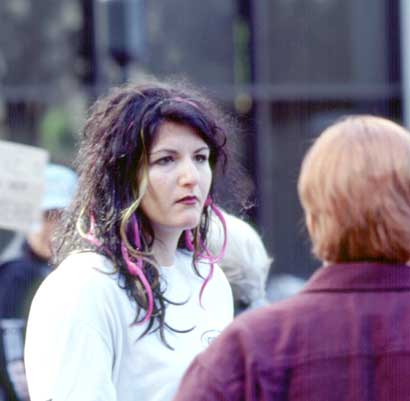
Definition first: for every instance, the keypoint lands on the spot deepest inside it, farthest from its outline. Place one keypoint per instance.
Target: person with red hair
(345, 335)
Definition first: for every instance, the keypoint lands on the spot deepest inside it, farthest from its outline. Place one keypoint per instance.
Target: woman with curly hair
(136, 293)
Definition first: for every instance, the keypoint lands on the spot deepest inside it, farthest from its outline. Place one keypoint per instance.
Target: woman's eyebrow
(202, 148)
(165, 150)
(173, 151)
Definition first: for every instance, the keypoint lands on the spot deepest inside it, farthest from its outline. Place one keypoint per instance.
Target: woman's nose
(188, 174)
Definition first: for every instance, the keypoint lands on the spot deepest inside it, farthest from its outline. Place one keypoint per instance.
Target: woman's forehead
(172, 134)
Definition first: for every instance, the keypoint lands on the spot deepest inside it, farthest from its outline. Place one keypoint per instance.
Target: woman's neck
(165, 246)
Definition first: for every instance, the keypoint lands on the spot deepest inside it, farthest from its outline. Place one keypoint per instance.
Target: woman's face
(179, 179)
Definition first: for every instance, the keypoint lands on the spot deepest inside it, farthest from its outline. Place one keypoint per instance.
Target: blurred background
(284, 68)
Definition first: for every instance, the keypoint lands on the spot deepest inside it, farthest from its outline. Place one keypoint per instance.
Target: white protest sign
(22, 170)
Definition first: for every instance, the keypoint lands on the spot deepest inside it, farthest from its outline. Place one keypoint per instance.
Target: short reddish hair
(354, 187)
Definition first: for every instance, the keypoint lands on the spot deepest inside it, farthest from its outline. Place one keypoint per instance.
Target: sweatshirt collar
(359, 277)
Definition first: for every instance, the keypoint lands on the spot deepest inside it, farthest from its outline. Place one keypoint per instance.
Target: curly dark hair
(114, 148)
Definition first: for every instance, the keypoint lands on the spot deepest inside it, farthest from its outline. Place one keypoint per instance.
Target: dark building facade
(286, 68)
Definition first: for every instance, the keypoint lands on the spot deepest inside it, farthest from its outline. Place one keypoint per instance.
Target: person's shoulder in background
(219, 372)
(19, 279)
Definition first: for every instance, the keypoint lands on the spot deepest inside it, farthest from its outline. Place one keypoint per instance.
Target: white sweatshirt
(81, 344)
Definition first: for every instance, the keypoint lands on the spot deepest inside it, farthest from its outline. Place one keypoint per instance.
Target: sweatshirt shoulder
(79, 276)
(89, 266)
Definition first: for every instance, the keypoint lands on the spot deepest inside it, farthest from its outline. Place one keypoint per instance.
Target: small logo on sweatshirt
(208, 336)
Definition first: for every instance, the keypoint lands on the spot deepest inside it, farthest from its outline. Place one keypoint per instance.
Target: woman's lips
(188, 200)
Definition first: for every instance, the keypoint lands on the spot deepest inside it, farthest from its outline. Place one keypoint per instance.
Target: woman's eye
(164, 160)
(201, 158)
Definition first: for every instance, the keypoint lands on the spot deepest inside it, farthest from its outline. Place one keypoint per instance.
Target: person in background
(136, 293)
(283, 285)
(345, 336)
(24, 266)
(245, 263)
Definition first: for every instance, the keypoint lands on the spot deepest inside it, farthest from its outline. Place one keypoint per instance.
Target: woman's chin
(191, 223)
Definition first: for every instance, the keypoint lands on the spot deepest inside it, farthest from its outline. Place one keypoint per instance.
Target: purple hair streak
(205, 253)
(134, 268)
